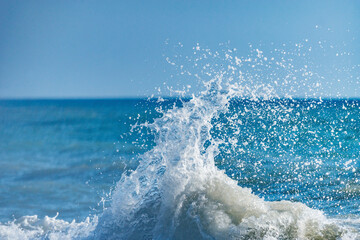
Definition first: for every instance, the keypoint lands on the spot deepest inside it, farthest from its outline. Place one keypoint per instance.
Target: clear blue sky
(73, 48)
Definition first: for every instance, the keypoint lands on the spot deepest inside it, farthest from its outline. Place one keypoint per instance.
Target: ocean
(240, 159)
(65, 155)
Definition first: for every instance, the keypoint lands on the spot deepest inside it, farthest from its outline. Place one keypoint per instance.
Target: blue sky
(69, 48)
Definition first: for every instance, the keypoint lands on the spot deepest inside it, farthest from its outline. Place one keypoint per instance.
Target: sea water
(234, 161)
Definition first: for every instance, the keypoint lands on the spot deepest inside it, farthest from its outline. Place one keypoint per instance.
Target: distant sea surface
(64, 155)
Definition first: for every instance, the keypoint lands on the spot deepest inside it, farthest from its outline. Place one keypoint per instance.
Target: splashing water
(181, 188)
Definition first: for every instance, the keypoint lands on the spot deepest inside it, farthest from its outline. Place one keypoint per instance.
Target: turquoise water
(65, 156)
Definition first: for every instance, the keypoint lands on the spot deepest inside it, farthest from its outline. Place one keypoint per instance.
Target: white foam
(32, 227)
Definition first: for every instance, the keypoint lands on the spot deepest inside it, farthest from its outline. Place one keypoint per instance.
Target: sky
(106, 49)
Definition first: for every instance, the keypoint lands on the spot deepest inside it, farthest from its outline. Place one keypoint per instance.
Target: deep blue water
(66, 155)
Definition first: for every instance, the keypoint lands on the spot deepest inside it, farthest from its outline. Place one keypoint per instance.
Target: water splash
(178, 192)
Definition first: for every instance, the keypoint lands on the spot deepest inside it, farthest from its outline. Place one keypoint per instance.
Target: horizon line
(154, 97)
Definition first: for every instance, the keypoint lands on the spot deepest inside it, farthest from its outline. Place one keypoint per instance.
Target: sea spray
(177, 192)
